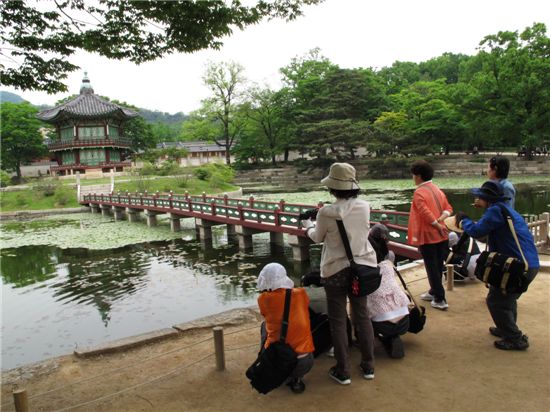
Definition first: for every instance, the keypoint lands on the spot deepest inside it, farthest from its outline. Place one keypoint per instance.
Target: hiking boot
(296, 385)
(495, 332)
(506, 344)
(338, 377)
(396, 348)
(441, 305)
(368, 373)
(427, 297)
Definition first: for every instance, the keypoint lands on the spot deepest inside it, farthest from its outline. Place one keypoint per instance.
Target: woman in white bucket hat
(355, 213)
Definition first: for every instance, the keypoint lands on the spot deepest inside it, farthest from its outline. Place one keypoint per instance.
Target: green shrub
(202, 173)
(47, 188)
(5, 179)
(61, 198)
(169, 168)
(148, 169)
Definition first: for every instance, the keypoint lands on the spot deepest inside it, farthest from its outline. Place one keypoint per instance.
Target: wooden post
(450, 277)
(21, 400)
(544, 231)
(218, 346)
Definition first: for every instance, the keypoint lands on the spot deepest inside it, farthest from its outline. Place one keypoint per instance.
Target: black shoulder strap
(405, 286)
(284, 326)
(345, 239)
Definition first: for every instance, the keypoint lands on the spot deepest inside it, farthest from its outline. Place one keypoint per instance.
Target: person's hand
(306, 224)
(458, 218)
(441, 228)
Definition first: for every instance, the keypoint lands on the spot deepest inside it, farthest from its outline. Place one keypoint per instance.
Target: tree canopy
(38, 38)
(22, 141)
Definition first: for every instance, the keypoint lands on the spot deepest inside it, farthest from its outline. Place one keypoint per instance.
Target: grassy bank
(53, 194)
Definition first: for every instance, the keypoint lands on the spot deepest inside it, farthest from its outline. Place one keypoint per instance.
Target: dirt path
(450, 366)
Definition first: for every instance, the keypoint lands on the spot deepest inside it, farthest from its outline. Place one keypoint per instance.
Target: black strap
(435, 198)
(411, 297)
(284, 326)
(345, 240)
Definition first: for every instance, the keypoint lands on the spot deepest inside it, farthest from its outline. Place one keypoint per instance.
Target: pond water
(78, 280)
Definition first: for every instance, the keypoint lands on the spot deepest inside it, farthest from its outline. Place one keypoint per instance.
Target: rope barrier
(134, 386)
(114, 371)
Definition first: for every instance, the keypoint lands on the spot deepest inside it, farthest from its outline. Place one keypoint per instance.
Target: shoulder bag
(275, 363)
(417, 313)
(501, 271)
(363, 279)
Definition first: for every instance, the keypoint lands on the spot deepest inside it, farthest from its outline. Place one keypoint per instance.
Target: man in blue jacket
(502, 307)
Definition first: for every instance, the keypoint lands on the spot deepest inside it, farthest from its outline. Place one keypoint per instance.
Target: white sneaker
(440, 305)
(426, 296)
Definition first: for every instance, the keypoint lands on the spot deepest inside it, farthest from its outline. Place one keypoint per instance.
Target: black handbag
(363, 279)
(501, 271)
(417, 313)
(275, 363)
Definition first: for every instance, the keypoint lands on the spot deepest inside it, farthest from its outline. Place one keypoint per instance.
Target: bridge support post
(245, 236)
(231, 233)
(105, 210)
(94, 208)
(175, 222)
(118, 212)
(300, 247)
(151, 218)
(133, 214)
(276, 238)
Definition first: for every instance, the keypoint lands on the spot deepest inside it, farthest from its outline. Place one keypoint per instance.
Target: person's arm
(318, 231)
(491, 220)
(425, 212)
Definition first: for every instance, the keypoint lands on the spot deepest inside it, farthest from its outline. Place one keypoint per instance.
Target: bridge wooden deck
(243, 216)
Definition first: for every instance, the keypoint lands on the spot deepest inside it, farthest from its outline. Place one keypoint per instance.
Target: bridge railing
(251, 210)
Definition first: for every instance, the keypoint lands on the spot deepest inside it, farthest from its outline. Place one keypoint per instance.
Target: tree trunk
(286, 155)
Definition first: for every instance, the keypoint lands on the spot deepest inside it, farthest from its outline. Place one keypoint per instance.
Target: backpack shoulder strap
(508, 217)
(284, 326)
(345, 239)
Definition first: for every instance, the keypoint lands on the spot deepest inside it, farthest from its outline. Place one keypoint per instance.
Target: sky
(350, 33)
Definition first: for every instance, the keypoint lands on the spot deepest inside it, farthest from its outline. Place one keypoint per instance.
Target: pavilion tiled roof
(87, 105)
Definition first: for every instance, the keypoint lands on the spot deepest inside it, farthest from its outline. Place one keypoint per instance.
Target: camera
(309, 214)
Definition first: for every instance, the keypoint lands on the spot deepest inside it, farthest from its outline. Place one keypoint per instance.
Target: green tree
(38, 38)
(225, 81)
(340, 115)
(399, 75)
(199, 127)
(22, 141)
(447, 66)
(264, 110)
(513, 86)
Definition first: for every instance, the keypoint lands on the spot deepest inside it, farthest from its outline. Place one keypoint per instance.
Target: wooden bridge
(242, 217)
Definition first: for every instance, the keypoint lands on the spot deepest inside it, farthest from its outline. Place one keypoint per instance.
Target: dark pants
(388, 329)
(434, 255)
(304, 364)
(336, 288)
(504, 309)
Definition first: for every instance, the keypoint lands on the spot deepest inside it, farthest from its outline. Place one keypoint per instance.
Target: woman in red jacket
(429, 209)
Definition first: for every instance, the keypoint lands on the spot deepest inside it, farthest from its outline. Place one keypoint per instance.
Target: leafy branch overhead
(37, 38)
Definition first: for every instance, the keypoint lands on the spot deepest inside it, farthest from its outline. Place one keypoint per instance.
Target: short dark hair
(423, 169)
(501, 166)
(344, 194)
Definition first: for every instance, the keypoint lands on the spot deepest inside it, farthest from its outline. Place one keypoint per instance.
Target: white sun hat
(273, 276)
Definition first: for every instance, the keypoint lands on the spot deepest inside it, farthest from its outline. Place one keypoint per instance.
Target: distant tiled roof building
(90, 133)
(199, 152)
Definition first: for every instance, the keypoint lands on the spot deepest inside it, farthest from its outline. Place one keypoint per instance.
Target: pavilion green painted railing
(260, 211)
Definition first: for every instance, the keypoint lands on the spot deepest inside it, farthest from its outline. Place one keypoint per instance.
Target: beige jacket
(355, 214)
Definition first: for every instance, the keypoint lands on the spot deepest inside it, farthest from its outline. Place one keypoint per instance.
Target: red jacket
(428, 203)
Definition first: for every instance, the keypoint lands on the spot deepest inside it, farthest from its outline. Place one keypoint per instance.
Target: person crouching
(272, 283)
